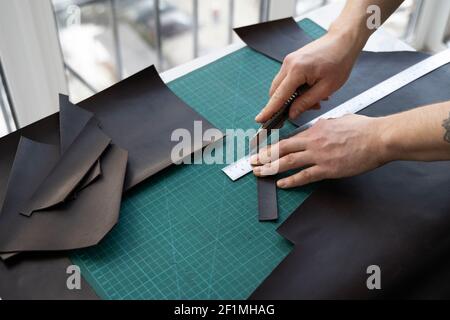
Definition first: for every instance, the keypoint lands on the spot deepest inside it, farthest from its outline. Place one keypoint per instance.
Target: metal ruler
(358, 103)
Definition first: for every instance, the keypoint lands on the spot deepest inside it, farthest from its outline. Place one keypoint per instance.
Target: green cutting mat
(190, 232)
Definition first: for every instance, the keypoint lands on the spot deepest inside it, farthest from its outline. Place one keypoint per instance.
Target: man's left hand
(334, 148)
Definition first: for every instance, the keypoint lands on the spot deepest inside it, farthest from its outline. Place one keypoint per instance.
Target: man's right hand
(324, 65)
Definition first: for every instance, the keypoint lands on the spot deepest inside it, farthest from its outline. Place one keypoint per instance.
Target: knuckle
(282, 145)
(275, 152)
(306, 176)
(264, 157)
(295, 180)
(303, 104)
(262, 151)
(297, 67)
(291, 181)
(277, 95)
(289, 59)
(290, 159)
(269, 152)
(272, 86)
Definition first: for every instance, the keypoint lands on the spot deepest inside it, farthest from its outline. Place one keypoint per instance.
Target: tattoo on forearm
(446, 125)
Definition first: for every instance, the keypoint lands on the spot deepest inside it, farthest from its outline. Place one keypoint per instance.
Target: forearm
(421, 134)
(351, 25)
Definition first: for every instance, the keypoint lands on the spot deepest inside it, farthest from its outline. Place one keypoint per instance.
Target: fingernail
(281, 183)
(254, 159)
(258, 117)
(257, 171)
(266, 170)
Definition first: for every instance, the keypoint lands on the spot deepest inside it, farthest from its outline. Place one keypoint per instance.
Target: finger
(278, 150)
(309, 99)
(317, 106)
(277, 80)
(281, 95)
(286, 163)
(304, 177)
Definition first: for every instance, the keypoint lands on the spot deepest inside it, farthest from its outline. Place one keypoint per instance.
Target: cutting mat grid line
(189, 232)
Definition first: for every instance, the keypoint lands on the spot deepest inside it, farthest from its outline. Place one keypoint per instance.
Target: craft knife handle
(283, 114)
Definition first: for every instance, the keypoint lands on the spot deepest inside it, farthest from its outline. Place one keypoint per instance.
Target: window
(403, 22)
(104, 41)
(6, 119)
(400, 24)
(304, 6)
(447, 34)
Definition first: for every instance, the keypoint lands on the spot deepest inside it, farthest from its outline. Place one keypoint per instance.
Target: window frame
(32, 59)
(6, 105)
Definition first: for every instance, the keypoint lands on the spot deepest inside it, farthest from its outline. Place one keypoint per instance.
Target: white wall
(31, 58)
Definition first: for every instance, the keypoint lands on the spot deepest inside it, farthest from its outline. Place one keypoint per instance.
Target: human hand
(331, 149)
(324, 65)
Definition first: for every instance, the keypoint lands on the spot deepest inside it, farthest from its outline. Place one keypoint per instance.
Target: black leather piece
(45, 131)
(285, 37)
(93, 174)
(69, 171)
(72, 121)
(42, 276)
(79, 223)
(75, 223)
(142, 123)
(396, 217)
(26, 175)
(267, 199)
(140, 114)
